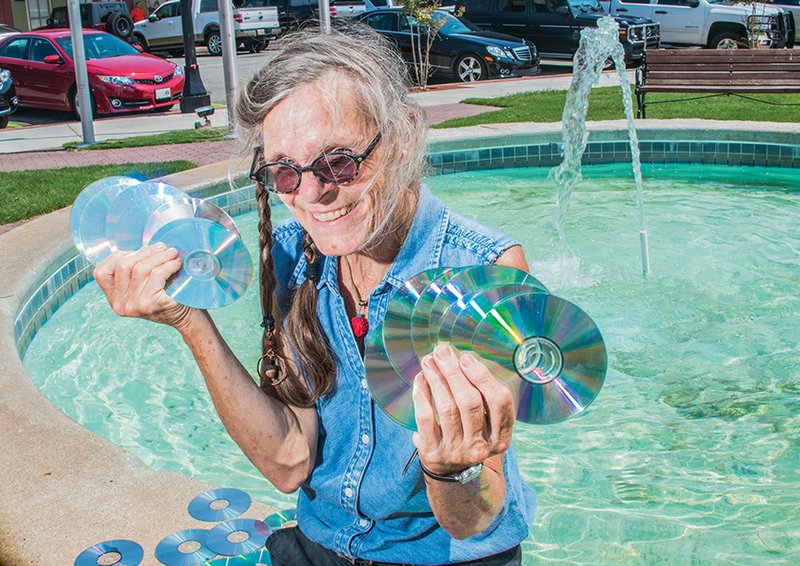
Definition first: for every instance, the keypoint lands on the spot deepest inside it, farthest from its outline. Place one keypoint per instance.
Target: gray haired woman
(337, 139)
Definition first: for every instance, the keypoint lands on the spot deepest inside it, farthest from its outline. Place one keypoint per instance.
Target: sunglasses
(335, 168)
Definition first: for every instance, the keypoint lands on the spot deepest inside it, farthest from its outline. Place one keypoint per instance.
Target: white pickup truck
(254, 24)
(717, 24)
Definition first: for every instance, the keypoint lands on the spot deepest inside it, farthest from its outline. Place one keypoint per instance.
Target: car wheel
(257, 45)
(470, 68)
(727, 40)
(138, 39)
(75, 105)
(120, 25)
(3, 122)
(214, 42)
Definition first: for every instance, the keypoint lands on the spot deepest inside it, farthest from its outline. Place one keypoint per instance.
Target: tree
(424, 24)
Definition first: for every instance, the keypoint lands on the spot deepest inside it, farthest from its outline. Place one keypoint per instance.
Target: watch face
(470, 473)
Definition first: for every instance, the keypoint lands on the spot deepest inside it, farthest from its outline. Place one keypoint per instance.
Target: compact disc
(216, 266)
(87, 218)
(129, 211)
(130, 553)
(480, 277)
(182, 208)
(254, 532)
(421, 318)
(547, 351)
(258, 558)
(389, 389)
(219, 504)
(282, 519)
(169, 550)
(396, 325)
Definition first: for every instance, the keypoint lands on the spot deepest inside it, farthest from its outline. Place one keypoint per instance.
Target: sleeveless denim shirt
(356, 502)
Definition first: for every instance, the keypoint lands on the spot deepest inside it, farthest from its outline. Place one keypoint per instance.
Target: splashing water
(597, 46)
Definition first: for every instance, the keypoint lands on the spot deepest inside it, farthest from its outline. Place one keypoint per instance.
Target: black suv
(555, 25)
(111, 17)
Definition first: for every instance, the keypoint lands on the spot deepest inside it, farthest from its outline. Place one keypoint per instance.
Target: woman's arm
(475, 420)
(280, 440)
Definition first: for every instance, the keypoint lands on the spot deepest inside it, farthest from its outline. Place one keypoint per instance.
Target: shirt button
(363, 523)
(348, 492)
(365, 438)
(364, 383)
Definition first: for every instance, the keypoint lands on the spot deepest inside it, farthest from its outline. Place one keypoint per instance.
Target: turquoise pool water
(691, 452)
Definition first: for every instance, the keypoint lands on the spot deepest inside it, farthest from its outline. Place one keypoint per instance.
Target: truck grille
(523, 53)
(152, 81)
(649, 34)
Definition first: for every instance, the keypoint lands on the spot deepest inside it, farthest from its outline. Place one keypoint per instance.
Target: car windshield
(586, 5)
(98, 46)
(451, 24)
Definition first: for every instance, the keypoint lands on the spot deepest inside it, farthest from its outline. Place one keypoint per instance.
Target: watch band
(462, 477)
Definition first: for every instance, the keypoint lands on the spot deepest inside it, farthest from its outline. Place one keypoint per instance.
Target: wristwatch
(462, 477)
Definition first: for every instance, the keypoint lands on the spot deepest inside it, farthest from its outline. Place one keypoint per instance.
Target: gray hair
(377, 75)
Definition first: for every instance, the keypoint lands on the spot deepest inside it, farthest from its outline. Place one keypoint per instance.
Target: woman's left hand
(475, 412)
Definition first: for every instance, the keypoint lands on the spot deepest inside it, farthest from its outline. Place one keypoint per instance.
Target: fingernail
(428, 362)
(443, 353)
(468, 360)
(161, 246)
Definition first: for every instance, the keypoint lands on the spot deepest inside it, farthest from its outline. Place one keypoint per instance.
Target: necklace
(358, 323)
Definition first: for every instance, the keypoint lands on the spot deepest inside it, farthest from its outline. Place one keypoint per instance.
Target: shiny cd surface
(388, 388)
(281, 519)
(258, 558)
(216, 266)
(547, 351)
(129, 211)
(219, 504)
(467, 281)
(421, 319)
(87, 218)
(171, 551)
(397, 324)
(130, 553)
(182, 208)
(238, 536)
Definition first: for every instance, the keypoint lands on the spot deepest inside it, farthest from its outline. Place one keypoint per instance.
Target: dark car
(121, 78)
(111, 17)
(555, 25)
(8, 97)
(459, 48)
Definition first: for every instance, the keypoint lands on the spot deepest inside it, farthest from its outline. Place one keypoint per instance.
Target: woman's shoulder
(467, 235)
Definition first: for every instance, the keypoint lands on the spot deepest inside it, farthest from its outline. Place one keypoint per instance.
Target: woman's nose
(312, 189)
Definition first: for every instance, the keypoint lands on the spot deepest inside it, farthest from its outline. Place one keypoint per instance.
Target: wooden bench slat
(713, 67)
(705, 88)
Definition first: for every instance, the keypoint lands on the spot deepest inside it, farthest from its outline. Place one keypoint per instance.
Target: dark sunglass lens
(336, 168)
(281, 178)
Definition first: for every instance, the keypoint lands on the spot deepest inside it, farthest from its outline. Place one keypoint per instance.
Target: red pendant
(359, 325)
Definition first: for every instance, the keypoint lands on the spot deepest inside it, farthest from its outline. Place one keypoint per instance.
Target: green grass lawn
(26, 194)
(178, 136)
(606, 104)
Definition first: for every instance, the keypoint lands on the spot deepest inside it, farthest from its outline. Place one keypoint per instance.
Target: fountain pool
(689, 454)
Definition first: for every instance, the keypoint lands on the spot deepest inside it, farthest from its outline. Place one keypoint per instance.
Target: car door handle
(622, 10)
(661, 11)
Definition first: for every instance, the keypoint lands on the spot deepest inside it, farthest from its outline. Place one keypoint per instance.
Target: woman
(341, 144)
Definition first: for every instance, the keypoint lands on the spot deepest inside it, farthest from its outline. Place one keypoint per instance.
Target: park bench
(716, 72)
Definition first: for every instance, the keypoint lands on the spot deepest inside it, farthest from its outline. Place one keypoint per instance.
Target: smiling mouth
(332, 215)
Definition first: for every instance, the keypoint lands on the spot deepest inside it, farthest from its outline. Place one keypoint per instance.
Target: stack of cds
(546, 350)
(120, 214)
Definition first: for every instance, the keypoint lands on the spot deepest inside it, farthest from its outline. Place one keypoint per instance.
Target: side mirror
(152, 18)
(691, 3)
(51, 22)
(53, 59)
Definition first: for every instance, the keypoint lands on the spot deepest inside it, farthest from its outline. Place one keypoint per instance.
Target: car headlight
(178, 71)
(495, 51)
(4, 76)
(115, 80)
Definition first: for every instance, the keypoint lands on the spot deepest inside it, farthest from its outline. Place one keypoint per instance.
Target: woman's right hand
(134, 284)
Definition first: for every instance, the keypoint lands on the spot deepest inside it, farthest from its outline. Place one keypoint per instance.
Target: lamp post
(194, 93)
(83, 97)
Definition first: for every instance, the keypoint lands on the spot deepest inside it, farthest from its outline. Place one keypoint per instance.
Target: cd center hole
(201, 264)
(538, 360)
(109, 558)
(238, 536)
(219, 504)
(189, 547)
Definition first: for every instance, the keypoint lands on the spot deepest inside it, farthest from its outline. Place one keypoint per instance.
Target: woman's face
(299, 129)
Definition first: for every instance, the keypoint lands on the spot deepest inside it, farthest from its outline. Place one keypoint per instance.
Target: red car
(121, 78)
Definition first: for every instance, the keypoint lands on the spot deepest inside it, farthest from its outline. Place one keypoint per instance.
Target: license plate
(261, 32)
(163, 94)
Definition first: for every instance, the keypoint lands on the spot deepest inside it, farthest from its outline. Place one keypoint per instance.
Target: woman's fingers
(467, 399)
(497, 398)
(444, 403)
(429, 434)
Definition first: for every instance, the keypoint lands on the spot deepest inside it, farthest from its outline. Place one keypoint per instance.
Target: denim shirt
(356, 501)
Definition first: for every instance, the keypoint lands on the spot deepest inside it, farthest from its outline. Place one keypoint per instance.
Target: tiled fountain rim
(68, 488)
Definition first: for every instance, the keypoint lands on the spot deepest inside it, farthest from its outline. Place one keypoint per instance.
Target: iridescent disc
(389, 389)
(88, 216)
(258, 558)
(182, 208)
(397, 324)
(129, 229)
(282, 519)
(256, 535)
(130, 553)
(125, 206)
(468, 281)
(219, 504)
(169, 551)
(216, 266)
(547, 351)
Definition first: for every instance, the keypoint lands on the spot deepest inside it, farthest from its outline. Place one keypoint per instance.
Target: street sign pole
(228, 58)
(324, 15)
(194, 93)
(82, 95)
